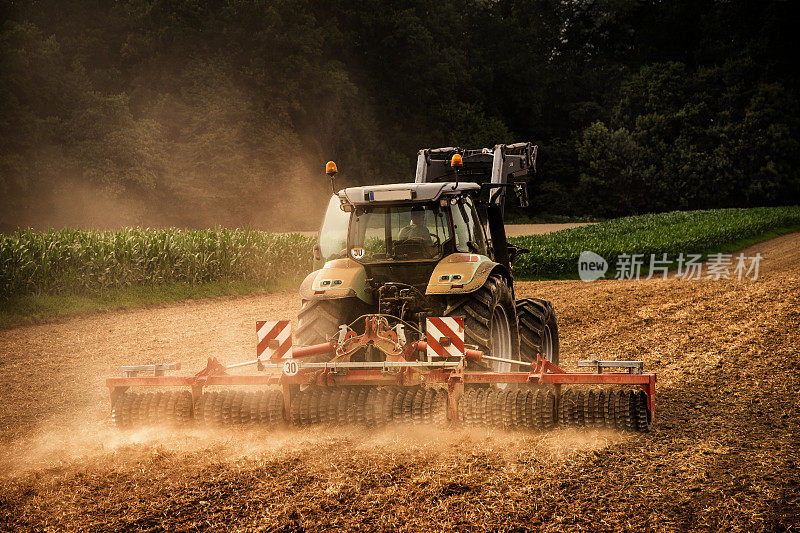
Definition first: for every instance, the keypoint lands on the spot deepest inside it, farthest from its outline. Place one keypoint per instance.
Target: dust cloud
(292, 201)
(82, 441)
(229, 166)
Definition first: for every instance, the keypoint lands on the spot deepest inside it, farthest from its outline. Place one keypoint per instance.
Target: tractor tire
(538, 329)
(489, 321)
(319, 320)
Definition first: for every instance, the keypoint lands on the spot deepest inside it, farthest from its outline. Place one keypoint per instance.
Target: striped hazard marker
(445, 336)
(274, 339)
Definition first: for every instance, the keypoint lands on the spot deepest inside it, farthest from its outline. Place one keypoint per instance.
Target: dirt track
(724, 453)
(518, 230)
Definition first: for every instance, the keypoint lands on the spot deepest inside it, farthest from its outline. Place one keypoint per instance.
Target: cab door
(469, 233)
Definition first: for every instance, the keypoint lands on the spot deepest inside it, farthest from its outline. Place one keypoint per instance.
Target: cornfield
(78, 261)
(556, 254)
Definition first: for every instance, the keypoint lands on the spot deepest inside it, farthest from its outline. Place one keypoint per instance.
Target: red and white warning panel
(445, 336)
(274, 339)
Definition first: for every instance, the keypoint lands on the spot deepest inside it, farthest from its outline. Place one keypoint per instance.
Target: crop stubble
(723, 453)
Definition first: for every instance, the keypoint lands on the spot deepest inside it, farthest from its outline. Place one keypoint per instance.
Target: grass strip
(42, 308)
(555, 255)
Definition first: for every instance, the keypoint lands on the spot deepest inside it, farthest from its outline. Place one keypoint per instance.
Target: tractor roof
(405, 192)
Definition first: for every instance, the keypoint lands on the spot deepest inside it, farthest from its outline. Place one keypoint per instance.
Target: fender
(462, 273)
(338, 278)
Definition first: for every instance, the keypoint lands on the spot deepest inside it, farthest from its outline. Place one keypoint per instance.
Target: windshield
(333, 235)
(399, 233)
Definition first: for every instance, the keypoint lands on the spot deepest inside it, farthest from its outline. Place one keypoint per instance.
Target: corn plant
(77, 261)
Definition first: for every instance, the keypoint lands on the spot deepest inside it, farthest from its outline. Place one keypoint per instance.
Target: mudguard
(338, 278)
(462, 273)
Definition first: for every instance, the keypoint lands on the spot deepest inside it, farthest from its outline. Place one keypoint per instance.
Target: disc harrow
(410, 387)
(525, 409)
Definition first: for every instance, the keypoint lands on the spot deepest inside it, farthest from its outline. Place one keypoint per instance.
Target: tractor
(432, 248)
(410, 317)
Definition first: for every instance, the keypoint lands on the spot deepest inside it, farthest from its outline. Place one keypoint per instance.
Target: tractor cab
(407, 222)
(434, 216)
(442, 234)
(403, 231)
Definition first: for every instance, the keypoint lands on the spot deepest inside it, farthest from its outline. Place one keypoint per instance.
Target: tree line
(224, 112)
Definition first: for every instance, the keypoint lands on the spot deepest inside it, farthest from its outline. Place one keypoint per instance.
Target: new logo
(591, 266)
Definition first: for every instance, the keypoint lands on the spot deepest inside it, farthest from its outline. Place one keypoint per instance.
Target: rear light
(458, 286)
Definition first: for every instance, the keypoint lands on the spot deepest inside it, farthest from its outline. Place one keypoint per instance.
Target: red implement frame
(540, 372)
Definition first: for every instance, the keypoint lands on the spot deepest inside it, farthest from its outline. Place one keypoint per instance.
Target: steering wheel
(410, 246)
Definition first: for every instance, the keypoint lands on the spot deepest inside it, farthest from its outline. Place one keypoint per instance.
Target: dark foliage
(200, 112)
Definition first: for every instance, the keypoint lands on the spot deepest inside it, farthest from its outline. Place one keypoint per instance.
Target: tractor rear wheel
(538, 330)
(489, 320)
(319, 320)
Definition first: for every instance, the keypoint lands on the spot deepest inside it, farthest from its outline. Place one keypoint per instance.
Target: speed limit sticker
(290, 367)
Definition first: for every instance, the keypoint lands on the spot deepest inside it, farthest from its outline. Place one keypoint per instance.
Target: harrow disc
(132, 410)
(510, 409)
(622, 410)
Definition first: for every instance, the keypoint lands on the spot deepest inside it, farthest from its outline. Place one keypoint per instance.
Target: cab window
(333, 235)
(401, 233)
(467, 228)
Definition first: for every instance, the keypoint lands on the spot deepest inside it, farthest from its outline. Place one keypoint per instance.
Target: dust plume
(82, 441)
(292, 200)
(190, 142)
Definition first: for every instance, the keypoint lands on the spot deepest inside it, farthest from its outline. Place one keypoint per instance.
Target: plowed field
(723, 453)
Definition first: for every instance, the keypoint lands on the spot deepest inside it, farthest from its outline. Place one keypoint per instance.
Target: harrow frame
(402, 368)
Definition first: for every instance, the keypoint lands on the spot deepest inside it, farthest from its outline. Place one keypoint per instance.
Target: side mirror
(521, 190)
(317, 252)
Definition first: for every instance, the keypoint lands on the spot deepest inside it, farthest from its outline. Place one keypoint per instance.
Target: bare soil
(520, 230)
(723, 453)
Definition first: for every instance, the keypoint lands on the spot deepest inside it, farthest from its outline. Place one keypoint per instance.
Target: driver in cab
(417, 230)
